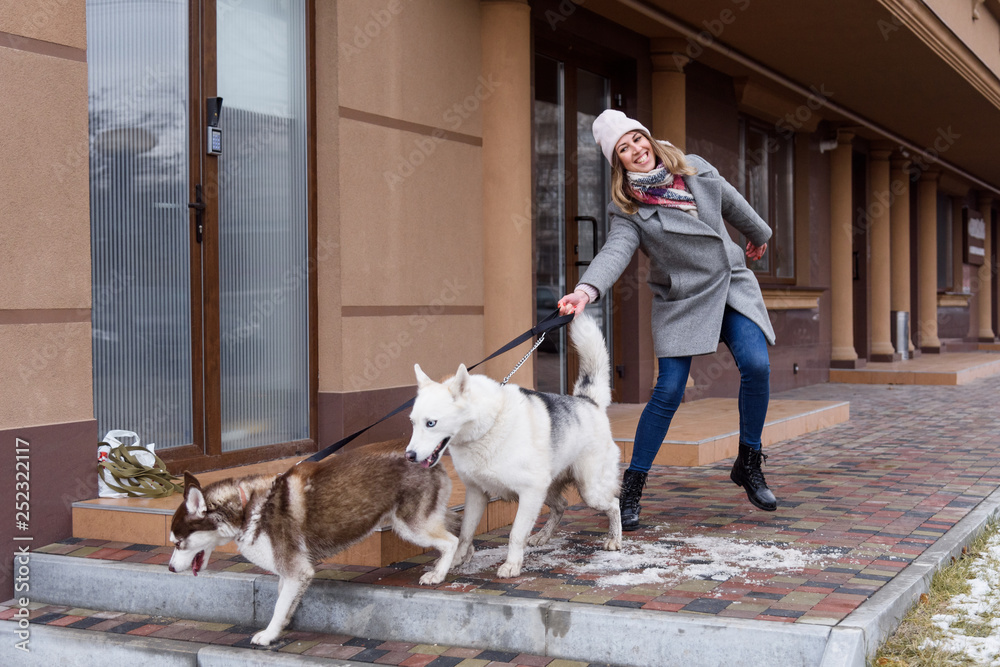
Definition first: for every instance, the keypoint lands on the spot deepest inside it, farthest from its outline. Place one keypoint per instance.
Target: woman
(672, 206)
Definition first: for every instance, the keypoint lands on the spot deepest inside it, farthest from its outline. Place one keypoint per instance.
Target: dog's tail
(453, 521)
(594, 381)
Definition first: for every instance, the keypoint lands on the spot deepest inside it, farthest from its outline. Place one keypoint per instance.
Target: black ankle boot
(747, 473)
(632, 483)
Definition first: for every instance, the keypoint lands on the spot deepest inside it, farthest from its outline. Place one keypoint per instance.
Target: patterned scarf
(662, 188)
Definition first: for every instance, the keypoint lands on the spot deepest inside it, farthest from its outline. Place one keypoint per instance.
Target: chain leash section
(523, 359)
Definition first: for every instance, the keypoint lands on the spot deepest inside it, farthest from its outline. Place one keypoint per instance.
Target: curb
(553, 628)
(880, 615)
(70, 647)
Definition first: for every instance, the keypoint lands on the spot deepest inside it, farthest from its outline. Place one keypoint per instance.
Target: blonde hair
(671, 157)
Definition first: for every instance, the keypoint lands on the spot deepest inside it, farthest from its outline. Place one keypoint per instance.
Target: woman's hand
(573, 303)
(755, 253)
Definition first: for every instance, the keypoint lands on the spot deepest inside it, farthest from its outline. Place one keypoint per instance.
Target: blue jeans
(749, 348)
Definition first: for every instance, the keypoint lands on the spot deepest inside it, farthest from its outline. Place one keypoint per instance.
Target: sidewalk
(866, 511)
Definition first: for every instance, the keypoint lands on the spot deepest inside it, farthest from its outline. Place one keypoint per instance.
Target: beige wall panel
(410, 216)
(379, 352)
(981, 35)
(48, 374)
(415, 60)
(58, 21)
(45, 245)
(328, 258)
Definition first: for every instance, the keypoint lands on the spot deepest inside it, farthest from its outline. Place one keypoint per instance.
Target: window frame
(776, 199)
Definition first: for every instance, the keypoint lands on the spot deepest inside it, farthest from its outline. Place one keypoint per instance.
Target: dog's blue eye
(431, 423)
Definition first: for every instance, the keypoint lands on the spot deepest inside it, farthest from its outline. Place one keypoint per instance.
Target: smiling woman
(636, 153)
(675, 208)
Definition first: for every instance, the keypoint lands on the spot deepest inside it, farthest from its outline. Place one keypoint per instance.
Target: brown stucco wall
(56, 21)
(45, 254)
(399, 164)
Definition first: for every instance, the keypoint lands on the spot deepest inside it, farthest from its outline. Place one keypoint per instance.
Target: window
(945, 250)
(765, 180)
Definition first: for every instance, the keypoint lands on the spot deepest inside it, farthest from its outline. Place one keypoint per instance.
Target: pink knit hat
(609, 128)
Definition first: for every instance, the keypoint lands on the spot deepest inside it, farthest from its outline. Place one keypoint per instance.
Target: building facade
(406, 181)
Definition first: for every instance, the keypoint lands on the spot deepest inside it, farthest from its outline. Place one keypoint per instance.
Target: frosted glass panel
(138, 84)
(263, 223)
(593, 184)
(550, 217)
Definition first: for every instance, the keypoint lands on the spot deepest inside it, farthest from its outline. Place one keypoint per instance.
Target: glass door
(263, 224)
(572, 185)
(140, 168)
(200, 259)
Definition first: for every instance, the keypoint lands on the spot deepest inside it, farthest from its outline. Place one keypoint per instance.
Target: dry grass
(902, 649)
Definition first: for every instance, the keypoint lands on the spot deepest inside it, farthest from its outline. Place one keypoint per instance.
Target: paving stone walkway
(858, 502)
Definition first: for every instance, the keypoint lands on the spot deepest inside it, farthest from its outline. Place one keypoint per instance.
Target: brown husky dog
(287, 523)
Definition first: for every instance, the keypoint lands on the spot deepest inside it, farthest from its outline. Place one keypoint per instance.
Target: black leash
(550, 323)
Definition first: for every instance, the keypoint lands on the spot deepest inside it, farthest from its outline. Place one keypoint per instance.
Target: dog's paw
(538, 539)
(508, 570)
(264, 637)
(431, 578)
(462, 555)
(613, 544)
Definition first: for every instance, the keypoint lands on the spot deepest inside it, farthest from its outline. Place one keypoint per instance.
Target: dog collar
(243, 496)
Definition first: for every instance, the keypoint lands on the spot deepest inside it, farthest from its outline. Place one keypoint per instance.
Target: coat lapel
(707, 194)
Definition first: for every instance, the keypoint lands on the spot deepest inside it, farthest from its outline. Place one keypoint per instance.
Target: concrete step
(708, 430)
(950, 369)
(68, 647)
(702, 432)
(533, 626)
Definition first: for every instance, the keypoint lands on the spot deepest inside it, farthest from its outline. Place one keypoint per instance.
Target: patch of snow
(672, 557)
(980, 606)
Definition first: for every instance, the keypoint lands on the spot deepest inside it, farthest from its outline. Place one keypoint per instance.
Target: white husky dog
(521, 444)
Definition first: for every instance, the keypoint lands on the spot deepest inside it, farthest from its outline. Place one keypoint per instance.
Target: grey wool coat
(696, 269)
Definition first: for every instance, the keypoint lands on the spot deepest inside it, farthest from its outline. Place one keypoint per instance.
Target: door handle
(593, 221)
(199, 213)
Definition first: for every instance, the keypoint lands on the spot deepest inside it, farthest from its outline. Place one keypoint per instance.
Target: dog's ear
(422, 378)
(194, 499)
(191, 480)
(460, 382)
